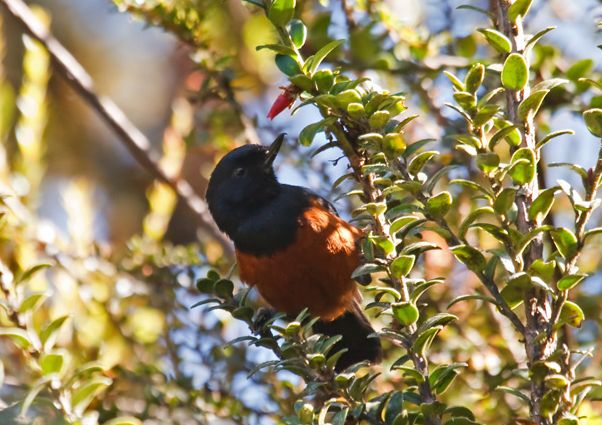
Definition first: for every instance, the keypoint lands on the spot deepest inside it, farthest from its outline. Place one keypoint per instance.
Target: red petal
(283, 101)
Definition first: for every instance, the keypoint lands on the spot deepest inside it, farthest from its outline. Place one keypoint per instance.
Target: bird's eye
(239, 172)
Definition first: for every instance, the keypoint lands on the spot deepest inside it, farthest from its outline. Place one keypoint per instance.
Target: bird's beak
(273, 150)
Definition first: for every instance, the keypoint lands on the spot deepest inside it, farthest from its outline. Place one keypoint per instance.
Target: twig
(133, 139)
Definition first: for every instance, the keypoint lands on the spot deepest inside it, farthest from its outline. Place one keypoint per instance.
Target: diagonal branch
(133, 139)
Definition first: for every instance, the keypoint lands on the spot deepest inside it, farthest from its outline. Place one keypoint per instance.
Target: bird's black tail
(354, 327)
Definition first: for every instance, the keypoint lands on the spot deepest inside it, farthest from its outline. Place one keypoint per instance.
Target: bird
(293, 247)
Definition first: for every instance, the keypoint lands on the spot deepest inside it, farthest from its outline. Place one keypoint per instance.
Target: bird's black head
(242, 182)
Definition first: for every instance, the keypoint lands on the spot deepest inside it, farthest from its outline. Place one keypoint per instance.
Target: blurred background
(127, 253)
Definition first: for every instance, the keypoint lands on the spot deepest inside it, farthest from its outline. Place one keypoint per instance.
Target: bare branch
(133, 139)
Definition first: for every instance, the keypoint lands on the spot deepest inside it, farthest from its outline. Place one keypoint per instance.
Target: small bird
(292, 246)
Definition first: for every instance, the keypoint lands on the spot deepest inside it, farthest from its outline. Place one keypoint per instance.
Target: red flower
(283, 101)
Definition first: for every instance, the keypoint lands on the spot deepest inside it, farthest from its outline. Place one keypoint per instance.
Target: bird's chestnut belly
(313, 272)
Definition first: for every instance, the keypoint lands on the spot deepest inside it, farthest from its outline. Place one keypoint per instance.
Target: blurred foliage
(486, 273)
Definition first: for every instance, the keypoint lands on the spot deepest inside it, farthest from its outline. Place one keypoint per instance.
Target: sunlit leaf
(515, 72)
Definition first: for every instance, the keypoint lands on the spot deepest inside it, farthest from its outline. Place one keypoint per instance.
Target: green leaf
(438, 320)
(442, 376)
(51, 363)
(421, 288)
(298, 33)
(224, 288)
(425, 339)
(85, 393)
(456, 82)
(31, 396)
(490, 95)
(485, 113)
(519, 8)
(497, 40)
(592, 232)
(470, 185)
(565, 241)
(307, 135)
(439, 205)
(503, 202)
(402, 265)
(568, 419)
(523, 166)
(526, 239)
(379, 119)
(476, 9)
(409, 372)
(324, 79)
(205, 285)
(419, 247)
(32, 302)
(394, 144)
(515, 73)
(543, 269)
(29, 273)
(507, 131)
(124, 420)
(340, 418)
(462, 298)
(515, 393)
(571, 314)
(474, 77)
(531, 105)
(416, 146)
(281, 12)
(322, 53)
(18, 335)
(367, 268)
(550, 136)
(593, 121)
(580, 69)
(401, 222)
(570, 281)
(7, 107)
(48, 334)
(475, 214)
(541, 206)
(549, 84)
(467, 101)
(536, 38)
(471, 257)
(346, 97)
(406, 312)
(512, 295)
(488, 161)
(278, 48)
(420, 160)
(287, 65)
(303, 82)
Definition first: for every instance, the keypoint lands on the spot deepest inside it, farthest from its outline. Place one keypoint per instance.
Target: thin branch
(133, 139)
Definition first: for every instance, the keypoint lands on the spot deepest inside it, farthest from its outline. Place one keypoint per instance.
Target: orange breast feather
(313, 272)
